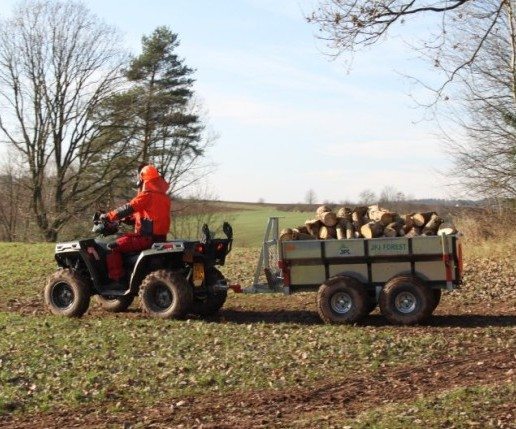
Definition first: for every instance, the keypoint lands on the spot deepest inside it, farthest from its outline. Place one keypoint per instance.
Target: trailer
(403, 276)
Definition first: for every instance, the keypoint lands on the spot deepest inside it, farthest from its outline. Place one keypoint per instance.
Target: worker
(150, 213)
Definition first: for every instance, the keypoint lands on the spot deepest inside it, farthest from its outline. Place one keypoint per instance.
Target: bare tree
(388, 194)
(367, 197)
(14, 204)
(472, 49)
(485, 108)
(58, 62)
(310, 197)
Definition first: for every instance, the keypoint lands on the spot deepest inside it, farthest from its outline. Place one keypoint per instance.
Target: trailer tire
(406, 300)
(342, 300)
(165, 294)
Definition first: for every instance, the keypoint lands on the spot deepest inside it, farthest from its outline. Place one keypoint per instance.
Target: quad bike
(172, 279)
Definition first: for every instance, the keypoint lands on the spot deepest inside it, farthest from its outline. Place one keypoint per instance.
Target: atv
(172, 279)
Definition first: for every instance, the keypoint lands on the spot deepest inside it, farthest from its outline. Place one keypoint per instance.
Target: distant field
(250, 221)
(249, 225)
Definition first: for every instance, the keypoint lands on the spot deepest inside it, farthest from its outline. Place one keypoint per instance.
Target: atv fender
(169, 252)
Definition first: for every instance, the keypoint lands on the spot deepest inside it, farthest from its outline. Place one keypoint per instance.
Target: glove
(103, 217)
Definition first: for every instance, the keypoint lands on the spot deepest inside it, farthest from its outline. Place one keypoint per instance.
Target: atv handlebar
(103, 226)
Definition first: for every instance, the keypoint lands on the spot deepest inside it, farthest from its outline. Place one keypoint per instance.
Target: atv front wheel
(67, 294)
(165, 294)
(115, 304)
(211, 303)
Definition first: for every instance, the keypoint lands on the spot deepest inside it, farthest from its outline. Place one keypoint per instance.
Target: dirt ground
(339, 398)
(259, 409)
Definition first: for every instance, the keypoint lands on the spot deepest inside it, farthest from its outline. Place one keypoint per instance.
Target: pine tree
(157, 112)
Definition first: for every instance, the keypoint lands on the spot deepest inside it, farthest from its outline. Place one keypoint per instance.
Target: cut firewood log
(322, 209)
(408, 221)
(344, 213)
(286, 234)
(341, 231)
(313, 227)
(328, 218)
(447, 228)
(303, 236)
(371, 229)
(327, 232)
(349, 229)
(432, 225)
(420, 219)
(344, 230)
(413, 232)
(359, 213)
(391, 230)
(378, 214)
(303, 229)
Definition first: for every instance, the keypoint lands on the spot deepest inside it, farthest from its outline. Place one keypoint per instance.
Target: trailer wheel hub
(341, 302)
(405, 302)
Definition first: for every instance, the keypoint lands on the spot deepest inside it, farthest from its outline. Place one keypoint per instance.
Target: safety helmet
(146, 173)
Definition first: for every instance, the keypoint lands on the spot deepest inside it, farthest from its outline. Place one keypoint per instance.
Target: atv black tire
(67, 293)
(211, 303)
(116, 304)
(165, 294)
(406, 300)
(342, 300)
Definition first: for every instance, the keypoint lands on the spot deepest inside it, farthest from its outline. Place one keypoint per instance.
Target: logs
(366, 222)
(372, 229)
(377, 214)
(432, 225)
(328, 219)
(327, 232)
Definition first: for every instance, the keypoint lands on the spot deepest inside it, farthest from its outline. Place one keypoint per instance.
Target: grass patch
(24, 269)
(480, 406)
(48, 361)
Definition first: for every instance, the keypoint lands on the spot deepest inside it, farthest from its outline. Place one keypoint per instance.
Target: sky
(289, 117)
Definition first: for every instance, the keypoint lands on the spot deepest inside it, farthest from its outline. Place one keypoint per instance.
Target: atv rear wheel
(115, 304)
(165, 294)
(67, 294)
(211, 303)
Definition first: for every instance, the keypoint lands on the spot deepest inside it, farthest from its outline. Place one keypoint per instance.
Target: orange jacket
(150, 209)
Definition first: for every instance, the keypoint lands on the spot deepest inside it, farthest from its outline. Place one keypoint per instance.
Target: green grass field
(107, 369)
(249, 225)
